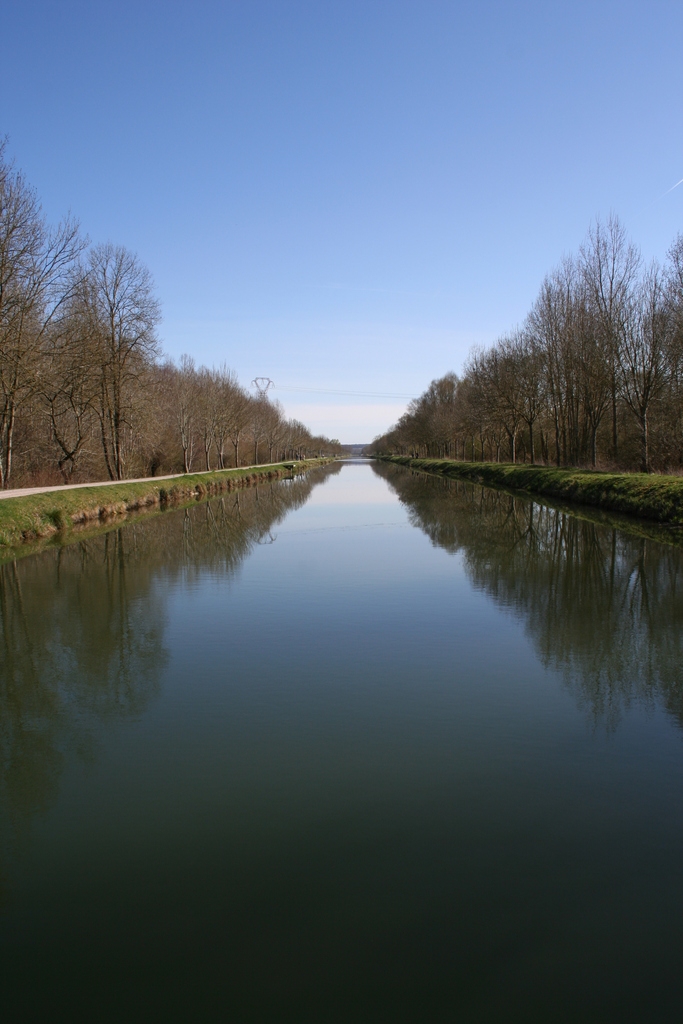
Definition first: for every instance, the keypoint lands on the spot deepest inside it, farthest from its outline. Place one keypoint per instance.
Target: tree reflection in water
(602, 606)
(82, 630)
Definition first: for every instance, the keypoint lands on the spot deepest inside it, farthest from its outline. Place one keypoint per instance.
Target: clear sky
(347, 194)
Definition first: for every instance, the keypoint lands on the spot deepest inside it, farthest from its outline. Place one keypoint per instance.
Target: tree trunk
(645, 444)
(105, 449)
(6, 467)
(615, 437)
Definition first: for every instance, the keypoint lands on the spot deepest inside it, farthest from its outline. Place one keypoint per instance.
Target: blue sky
(347, 195)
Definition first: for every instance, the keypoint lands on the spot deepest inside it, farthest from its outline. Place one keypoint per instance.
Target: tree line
(592, 377)
(85, 391)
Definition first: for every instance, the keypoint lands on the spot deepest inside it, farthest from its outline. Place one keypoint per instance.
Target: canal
(359, 746)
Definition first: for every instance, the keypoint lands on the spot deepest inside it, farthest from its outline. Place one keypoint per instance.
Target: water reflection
(602, 606)
(82, 630)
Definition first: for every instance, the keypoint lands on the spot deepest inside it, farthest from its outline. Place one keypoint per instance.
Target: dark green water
(365, 746)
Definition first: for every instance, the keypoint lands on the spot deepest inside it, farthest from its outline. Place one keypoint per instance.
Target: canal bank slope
(654, 497)
(30, 517)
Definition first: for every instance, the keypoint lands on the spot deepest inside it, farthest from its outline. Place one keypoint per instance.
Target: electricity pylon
(262, 385)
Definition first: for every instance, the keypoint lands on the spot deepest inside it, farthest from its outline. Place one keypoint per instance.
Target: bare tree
(550, 322)
(260, 412)
(273, 427)
(122, 313)
(527, 357)
(69, 388)
(184, 408)
(237, 413)
(594, 370)
(226, 384)
(501, 379)
(610, 264)
(35, 280)
(208, 400)
(645, 355)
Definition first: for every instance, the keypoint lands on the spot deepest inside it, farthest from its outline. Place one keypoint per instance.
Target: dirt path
(20, 492)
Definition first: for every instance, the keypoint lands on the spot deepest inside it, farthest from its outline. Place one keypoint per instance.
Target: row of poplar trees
(85, 393)
(593, 377)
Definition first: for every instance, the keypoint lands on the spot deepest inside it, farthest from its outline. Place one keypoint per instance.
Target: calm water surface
(363, 746)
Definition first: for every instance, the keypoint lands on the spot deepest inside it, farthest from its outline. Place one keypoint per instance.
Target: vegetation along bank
(29, 518)
(593, 375)
(650, 496)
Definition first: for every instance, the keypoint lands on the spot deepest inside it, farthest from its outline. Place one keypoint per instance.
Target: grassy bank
(32, 517)
(658, 499)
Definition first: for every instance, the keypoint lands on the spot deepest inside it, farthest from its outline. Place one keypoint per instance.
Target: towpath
(20, 492)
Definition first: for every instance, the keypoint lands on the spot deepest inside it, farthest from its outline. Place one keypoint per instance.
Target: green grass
(52, 516)
(654, 497)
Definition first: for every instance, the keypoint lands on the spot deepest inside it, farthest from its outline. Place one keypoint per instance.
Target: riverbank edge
(55, 514)
(655, 498)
